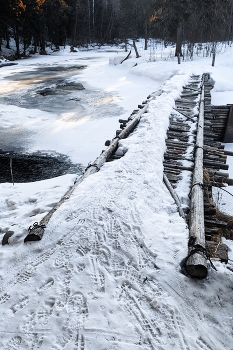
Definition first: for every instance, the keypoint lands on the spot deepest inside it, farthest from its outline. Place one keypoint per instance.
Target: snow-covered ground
(106, 274)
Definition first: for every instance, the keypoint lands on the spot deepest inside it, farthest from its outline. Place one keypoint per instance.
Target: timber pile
(179, 139)
(195, 145)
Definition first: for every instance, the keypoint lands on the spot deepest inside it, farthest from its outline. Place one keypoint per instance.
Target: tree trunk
(89, 21)
(179, 39)
(136, 50)
(35, 45)
(17, 40)
(24, 46)
(75, 25)
(213, 59)
(42, 45)
(7, 39)
(146, 35)
(126, 45)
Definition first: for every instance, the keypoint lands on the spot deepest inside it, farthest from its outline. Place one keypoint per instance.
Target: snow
(106, 274)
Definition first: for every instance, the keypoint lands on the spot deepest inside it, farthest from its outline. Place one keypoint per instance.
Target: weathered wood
(174, 196)
(35, 232)
(211, 231)
(210, 211)
(215, 223)
(216, 165)
(196, 264)
(183, 113)
(190, 94)
(178, 166)
(173, 157)
(178, 143)
(189, 88)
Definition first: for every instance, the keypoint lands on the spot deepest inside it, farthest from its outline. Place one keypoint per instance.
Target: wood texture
(196, 264)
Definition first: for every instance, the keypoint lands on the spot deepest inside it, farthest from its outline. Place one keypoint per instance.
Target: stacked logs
(178, 135)
(181, 146)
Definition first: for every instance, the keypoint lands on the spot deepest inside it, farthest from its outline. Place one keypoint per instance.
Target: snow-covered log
(91, 169)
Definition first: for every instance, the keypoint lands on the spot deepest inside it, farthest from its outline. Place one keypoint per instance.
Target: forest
(39, 23)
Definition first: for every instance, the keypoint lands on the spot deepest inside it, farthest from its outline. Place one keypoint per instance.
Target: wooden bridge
(195, 150)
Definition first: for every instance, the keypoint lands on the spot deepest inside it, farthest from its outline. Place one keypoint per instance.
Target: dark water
(35, 167)
(55, 89)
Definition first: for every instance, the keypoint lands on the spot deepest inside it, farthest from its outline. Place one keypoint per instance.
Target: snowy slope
(106, 275)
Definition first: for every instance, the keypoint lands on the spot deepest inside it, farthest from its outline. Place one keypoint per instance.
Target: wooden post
(196, 264)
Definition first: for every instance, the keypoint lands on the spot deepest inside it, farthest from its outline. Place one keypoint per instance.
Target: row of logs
(211, 156)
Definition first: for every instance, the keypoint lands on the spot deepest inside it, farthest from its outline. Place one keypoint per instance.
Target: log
(35, 232)
(229, 182)
(196, 264)
(188, 88)
(178, 143)
(216, 165)
(211, 231)
(174, 157)
(214, 223)
(183, 113)
(210, 211)
(174, 196)
(178, 166)
(191, 94)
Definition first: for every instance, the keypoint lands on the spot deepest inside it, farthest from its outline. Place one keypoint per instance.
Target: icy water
(57, 91)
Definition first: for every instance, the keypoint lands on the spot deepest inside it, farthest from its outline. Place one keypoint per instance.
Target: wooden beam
(196, 264)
